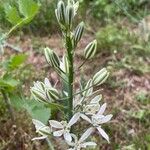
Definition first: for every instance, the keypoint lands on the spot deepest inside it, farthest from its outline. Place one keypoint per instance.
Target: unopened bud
(100, 77)
(69, 15)
(52, 58)
(60, 12)
(78, 33)
(90, 50)
(38, 95)
(52, 94)
(88, 88)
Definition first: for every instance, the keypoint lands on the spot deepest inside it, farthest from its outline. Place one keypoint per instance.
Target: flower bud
(90, 50)
(39, 86)
(78, 33)
(64, 65)
(60, 14)
(100, 77)
(38, 95)
(89, 88)
(69, 15)
(52, 94)
(52, 58)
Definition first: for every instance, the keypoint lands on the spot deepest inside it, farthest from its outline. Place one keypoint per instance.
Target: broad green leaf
(28, 8)
(16, 101)
(14, 62)
(8, 83)
(12, 15)
(37, 110)
(17, 60)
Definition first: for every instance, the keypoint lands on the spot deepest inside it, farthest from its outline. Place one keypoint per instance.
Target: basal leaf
(17, 60)
(28, 8)
(12, 15)
(8, 83)
(37, 110)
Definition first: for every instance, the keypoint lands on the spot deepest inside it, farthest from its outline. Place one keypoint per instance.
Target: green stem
(50, 145)
(70, 51)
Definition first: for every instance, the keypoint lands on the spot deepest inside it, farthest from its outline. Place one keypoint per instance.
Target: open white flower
(79, 144)
(98, 119)
(93, 106)
(63, 128)
(42, 129)
(88, 107)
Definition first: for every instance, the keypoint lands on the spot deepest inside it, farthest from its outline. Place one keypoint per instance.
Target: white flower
(63, 128)
(85, 108)
(47, 83)
(98, 119)
(93, 106)
(80, 144)
(42, 129)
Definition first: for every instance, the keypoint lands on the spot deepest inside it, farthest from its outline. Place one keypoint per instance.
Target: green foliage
(111, 38)
(142, 97)
(27, 8)
(106, 9)
(7, 80)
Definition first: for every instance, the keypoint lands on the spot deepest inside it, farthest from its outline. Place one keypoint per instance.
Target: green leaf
(28, 8)
(37, 110)
(139, 114)
(17, 60)
(16, 101)
(14, 62)
(8, 82)
(12, 15)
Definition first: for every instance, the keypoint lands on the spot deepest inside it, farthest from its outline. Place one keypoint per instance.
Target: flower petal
(96, 99)
(39, 138)
(103, 133)
(86, 134)
(38, 124)
(84, 117)
(74, 119)
(67, 136)
(106, 118)
(55, 124)
(102, 109)
(58, 133)
(47, 83)
(84, 145)
(45, 130)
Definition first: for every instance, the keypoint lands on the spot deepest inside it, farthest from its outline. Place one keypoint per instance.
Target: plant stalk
(70, 51)
(50, 145)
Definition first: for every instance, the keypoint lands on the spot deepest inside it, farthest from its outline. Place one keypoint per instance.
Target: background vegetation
(122, 29)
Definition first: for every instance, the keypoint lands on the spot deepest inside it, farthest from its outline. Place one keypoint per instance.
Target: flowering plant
(74, 105)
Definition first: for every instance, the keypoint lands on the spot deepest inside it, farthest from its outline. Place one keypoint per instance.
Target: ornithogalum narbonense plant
(77, 107)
